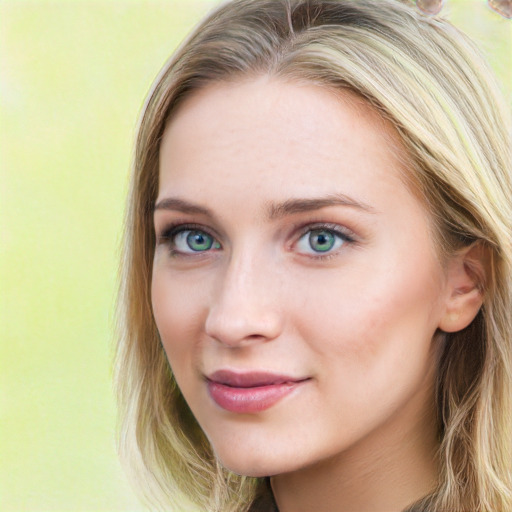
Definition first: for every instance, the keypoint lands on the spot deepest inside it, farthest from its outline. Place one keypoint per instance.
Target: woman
(316, 286)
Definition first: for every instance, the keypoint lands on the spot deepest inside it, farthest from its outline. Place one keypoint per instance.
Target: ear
(466, 273)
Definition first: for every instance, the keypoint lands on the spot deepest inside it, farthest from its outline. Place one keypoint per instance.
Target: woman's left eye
(320, 241)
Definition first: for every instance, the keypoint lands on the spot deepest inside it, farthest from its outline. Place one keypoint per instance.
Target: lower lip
(249, 400)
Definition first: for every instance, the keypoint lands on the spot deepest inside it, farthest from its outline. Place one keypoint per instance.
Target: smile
(249, 392)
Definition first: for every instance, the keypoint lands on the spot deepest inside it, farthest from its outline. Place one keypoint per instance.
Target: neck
(384, 472)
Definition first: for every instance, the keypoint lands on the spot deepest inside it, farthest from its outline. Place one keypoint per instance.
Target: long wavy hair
(431, 83)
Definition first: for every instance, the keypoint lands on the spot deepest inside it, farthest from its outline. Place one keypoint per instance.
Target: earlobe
(466, 275)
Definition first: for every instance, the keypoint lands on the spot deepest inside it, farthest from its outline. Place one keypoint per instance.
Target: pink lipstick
(249, 392)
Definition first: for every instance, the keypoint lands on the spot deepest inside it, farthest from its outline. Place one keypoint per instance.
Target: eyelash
(171, 231)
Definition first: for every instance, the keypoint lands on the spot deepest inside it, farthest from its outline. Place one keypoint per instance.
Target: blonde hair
(430, 82)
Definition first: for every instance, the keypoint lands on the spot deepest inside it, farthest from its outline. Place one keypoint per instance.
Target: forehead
(277, 138)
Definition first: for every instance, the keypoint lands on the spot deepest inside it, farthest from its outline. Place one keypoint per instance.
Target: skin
(358, 321)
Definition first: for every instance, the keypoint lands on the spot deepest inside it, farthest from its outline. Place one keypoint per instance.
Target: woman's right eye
(191, 241)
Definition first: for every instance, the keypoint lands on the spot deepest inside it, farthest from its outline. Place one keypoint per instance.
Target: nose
(245, 307)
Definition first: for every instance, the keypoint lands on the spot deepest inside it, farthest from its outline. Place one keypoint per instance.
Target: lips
(250, 392)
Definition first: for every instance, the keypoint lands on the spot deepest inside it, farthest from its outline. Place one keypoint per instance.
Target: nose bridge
(247, 270)
(244, 307)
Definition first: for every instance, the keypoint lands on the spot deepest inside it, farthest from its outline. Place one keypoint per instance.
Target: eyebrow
(300, 205)
(180, 205)
(274, 210)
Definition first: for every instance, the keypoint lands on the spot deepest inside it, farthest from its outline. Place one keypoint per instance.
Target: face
(295, 285)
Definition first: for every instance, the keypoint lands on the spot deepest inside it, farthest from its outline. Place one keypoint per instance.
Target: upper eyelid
(328, 226)
(303, 226)
(176, 227)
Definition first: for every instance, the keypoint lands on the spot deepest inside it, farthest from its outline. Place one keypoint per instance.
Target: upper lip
(250, 379)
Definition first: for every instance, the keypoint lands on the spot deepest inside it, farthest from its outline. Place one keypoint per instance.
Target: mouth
(250, 392)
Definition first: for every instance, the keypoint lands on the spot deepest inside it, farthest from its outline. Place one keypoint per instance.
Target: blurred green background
(73, 75)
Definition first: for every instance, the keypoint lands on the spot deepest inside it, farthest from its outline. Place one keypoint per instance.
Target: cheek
(372, 343)
(179, 315)
(370, 316)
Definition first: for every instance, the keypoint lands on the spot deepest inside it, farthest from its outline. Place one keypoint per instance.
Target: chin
(252, 465)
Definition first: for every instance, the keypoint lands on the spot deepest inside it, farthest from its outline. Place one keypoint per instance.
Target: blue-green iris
(321, 240)
(199, 241)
